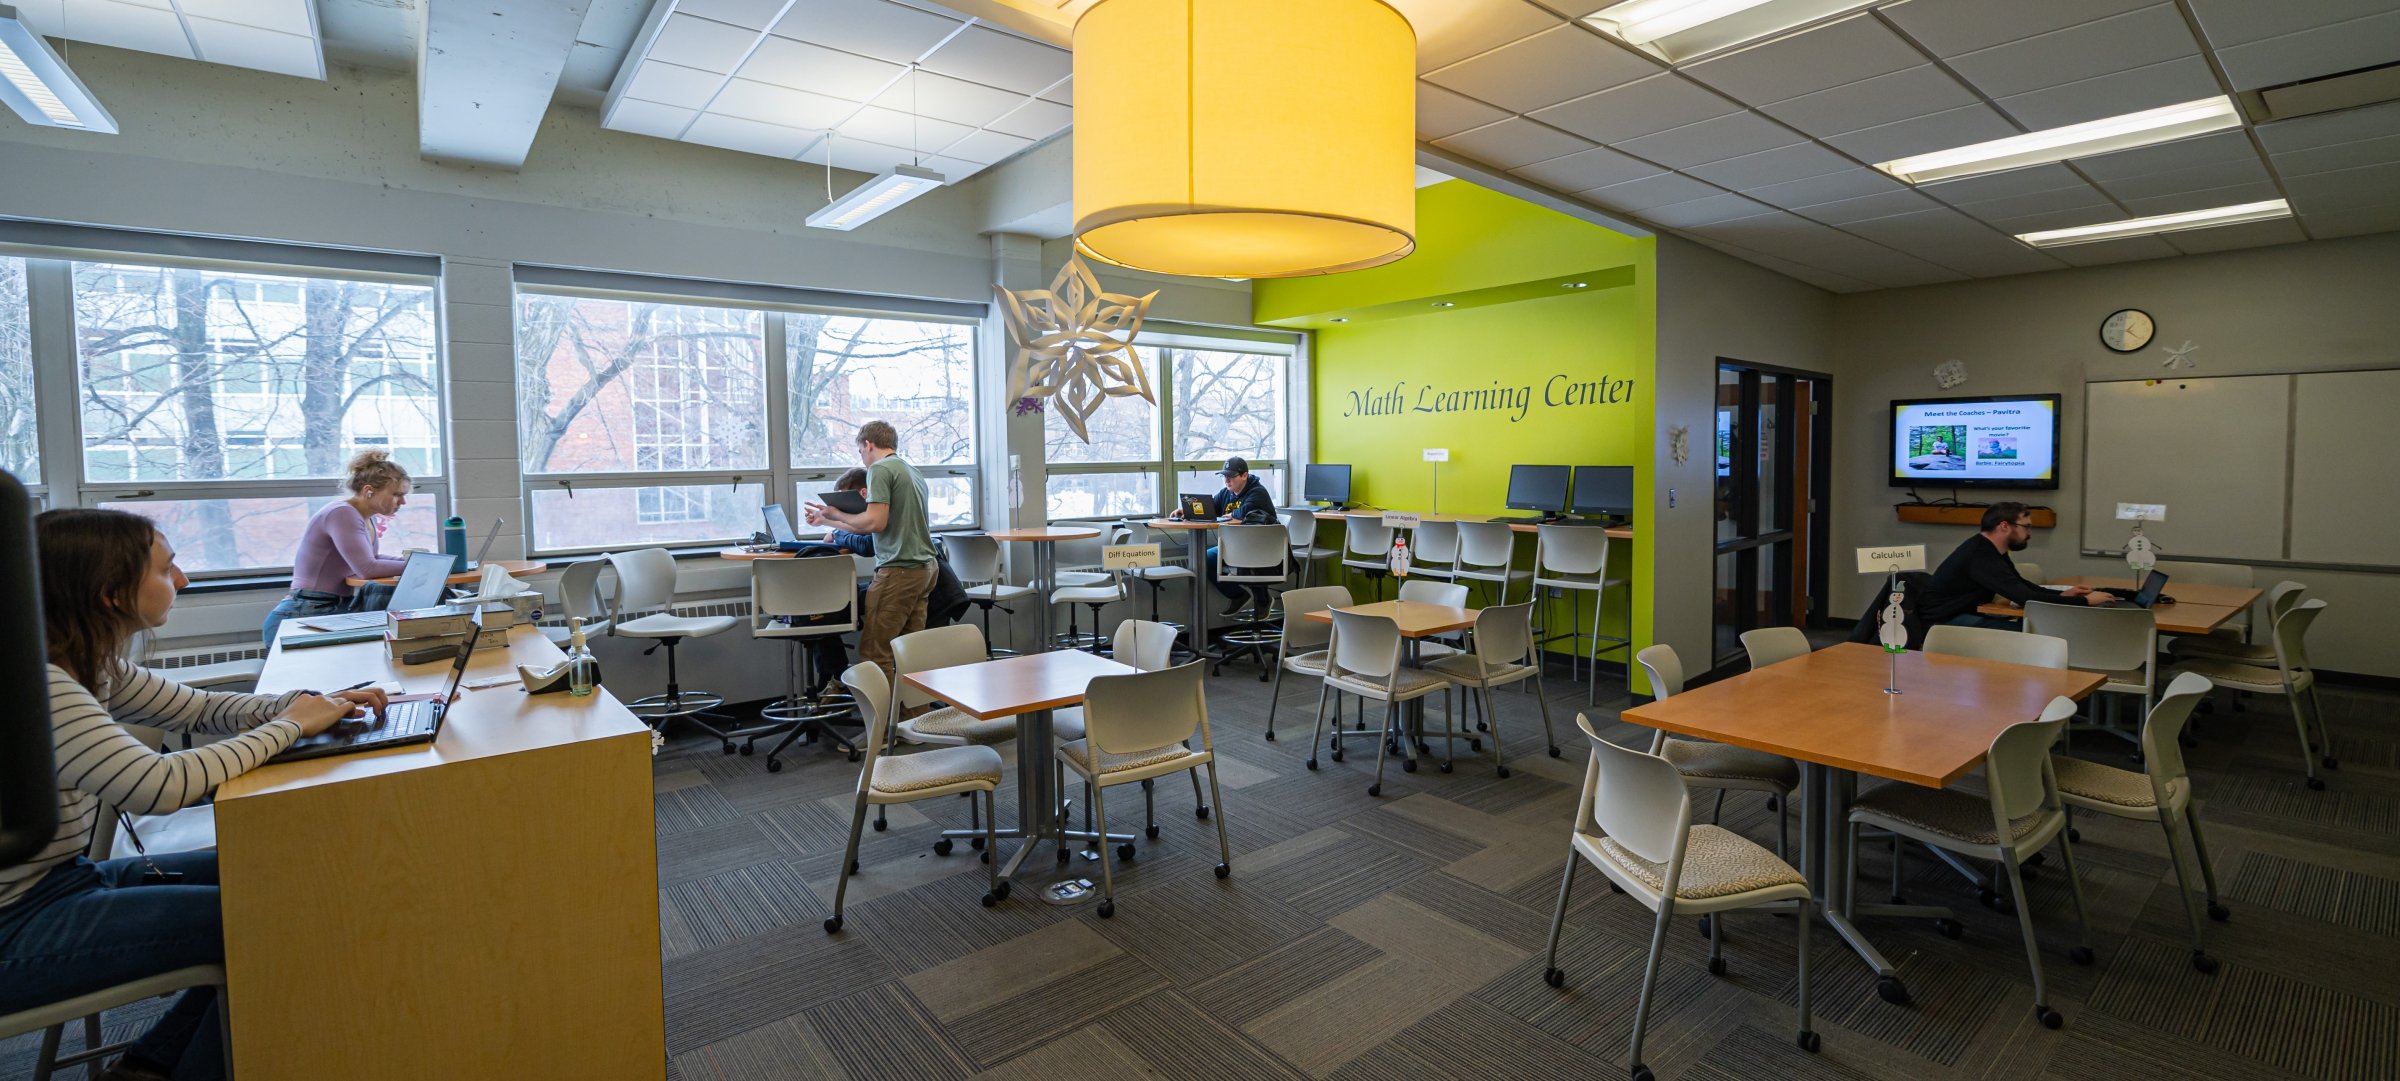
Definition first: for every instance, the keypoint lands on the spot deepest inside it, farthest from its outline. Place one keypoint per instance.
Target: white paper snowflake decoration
(1949, 374)
(2180, 356)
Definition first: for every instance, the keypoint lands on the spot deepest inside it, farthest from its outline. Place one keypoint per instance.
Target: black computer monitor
(1326, 484)
(1604, 489)
(1538, 487)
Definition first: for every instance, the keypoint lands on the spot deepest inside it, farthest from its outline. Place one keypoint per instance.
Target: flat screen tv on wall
(1975, 442)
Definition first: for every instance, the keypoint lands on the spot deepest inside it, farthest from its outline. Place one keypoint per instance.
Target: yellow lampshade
(1245, 138)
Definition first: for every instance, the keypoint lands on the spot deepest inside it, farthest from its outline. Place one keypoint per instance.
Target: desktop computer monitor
(1604, 489)
(1326, 484)
(1538, 487)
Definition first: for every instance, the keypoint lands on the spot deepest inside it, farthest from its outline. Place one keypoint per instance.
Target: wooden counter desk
(515, 568)
(482, 906)
(1615, 532)
(2198, 609)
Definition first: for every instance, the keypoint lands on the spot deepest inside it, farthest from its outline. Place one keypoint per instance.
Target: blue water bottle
(454, 541)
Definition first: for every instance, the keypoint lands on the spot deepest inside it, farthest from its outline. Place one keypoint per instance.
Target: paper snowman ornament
(1894, 630)
(2140, 554)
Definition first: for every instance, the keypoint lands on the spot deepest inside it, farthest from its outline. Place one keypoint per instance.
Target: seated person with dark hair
(1980, 569)
(942, 605)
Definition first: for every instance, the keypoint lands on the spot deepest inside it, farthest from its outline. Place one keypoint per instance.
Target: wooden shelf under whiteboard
(1953, 514)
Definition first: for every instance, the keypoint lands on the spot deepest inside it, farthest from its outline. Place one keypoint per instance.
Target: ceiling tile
(687, 41)
(2325, 159)
(1830, 188)
(1937, 131)
(1575, 9)
(983, 55)
(2135, 39)
(2013, 182)
(668, 84)
(1555, 65)
(985, 146)
(1919, 227)
(954, 170)
(2356, 221)
(2000, 256)
(945, 98)
(649, 118)
(772, 104)
(125, 26)
(1634, 196)
(858, 155)
(2054, 219)
(1638, 108)
(261, 50)
(1512, 143)
(2081, 198)
(2233, 22)
(2114, 251)
(1062, 92)
(1715, 208)
(1953, 240)
(1951, 27)
(1036, 119)
(2170, 83)
(749, 136)
(2343, 189)
(2256, 234)
(284, 16)
(1884, 99)
(1783, 164)
(1442, 112)
(2329, 129)
(1593, 168)
(892, 127)
(1865, 207)
(2358, 43)
(877, 28)
(2223, 174)
(1710, 140)
(1816, 276)
(2224, 146)
(819, 70)
(754, 14)
(1449, 31)
(1835, 54)
(2255, 192)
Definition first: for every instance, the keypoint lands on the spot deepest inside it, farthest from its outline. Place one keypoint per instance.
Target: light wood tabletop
(1012, 686)
(1044, 533)
(2183, 592)
(1417, 619)
(1183, 523)
(1615, 532)
(738, 552)
(512, 566)
(1829, 707)
(2198, 609)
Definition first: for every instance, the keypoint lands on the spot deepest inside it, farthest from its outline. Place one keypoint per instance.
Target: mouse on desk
(2163, 599)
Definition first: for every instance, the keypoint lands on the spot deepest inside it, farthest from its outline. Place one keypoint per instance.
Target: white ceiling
(1764, 152)
(269, 35)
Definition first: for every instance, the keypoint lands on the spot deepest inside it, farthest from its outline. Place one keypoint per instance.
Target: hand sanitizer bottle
(1398, 562)
(583, 670)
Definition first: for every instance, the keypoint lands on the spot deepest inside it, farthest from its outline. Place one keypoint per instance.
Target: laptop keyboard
(404, 719)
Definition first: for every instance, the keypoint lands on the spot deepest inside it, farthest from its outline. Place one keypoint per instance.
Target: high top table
(1197, 556)
(1043, 538)
(1026, 687)
(1828, 711)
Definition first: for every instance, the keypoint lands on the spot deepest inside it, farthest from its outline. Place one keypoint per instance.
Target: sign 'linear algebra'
(1074, 344)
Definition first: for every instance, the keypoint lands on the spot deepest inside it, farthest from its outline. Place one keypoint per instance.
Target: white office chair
(646, 583)
(1138, 727)
(2119, 643)
(798, 601)
(975, 558)
(579, 598)
(1302, 648)
(1094, 593)
(1446, 594)
(1433, 550)
(2021, 812)
(2164, 795)
(1148, 647)
(1773, 645)
(2282, 598)
(2235, 628)
(1363, 660)
(1367, 548)
(888, 778)
(1258, 557)
(1721, 766)
(1503, 654)
(1994, 644)
(1575, 559)
(1634, 823)
(2293, 677)
(2031, 572)
(51, 1019)
(1174, 565)
(1487, 552)
(1305, 551)
(944, 725)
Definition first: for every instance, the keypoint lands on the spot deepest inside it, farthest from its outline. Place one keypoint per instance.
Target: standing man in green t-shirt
(904, 564)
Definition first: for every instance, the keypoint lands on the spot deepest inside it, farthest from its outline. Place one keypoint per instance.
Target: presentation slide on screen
(1973, 441)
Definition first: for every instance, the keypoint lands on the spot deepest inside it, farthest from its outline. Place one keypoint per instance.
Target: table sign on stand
(1436, 456)
(1128, 557)
(2140, 553)
(1891, 560)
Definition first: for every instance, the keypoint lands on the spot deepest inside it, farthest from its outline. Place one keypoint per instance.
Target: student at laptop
(1980, 569)
(69, 926)
(339, 542)
(1241, 500)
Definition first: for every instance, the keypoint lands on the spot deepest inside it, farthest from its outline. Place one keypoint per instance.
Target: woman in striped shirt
(69, 926)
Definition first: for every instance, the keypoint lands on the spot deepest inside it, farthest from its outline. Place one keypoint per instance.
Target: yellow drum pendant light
(1245, 138)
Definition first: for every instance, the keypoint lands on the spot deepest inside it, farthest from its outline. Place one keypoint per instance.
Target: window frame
(1165, 467)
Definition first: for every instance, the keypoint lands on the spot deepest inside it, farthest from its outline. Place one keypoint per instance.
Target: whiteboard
(2215, 451)
(2343, 505)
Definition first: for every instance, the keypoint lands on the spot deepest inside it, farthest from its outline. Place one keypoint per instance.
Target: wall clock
(2128, 330)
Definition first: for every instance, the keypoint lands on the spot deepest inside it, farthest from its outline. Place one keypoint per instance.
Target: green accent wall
(1542, 351)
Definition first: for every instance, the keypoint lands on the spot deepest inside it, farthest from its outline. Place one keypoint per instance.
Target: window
(235, 398)
(1218, 399)
(654, 421)
(20, 438)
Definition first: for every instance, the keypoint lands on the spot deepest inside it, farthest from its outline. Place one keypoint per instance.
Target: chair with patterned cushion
(2020, 813)
(943, 725)
(1148, 647)
(975, 558)
(2162, 793)
(1773, 645)
(1137, 727)
(2191, 647)
(2292, 677)
(888, 778)
(1503, 654)
(1994, 644)
(2118, 643)
(1302, 649)
(1446, 594)
(1634, 823)
(1720, 766)
(1363, 660)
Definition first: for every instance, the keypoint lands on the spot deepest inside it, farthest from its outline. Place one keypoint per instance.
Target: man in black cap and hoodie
(1244, 501)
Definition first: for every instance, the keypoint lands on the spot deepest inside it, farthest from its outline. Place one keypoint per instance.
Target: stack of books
(411, 630)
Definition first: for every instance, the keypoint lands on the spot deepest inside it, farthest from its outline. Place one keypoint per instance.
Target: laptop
(2144, 597)
(1200, 506)
(485, 548)
(400, 724)
(420, 586)
(779, 531)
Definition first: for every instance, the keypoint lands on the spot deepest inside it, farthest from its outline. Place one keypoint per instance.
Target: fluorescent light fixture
(2073, 141)
(868, 201)
(2161, 223)
(1680, 30)
(37, 84)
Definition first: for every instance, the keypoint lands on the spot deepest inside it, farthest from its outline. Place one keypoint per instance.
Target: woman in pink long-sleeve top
(339, 542)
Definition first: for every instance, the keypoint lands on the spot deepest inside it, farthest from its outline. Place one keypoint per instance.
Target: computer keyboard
(1515, 518)
(1580, 521)
(403, 719)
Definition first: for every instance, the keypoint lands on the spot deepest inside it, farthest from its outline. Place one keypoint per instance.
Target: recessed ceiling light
(1444, 304)
(2073, 141)
(1678, 30)
(2160, 223)
(36, 84)
(1578, 285)
(1341, 319)
(870, 200)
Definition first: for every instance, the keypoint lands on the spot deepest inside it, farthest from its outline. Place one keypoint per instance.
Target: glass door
(1771, 446)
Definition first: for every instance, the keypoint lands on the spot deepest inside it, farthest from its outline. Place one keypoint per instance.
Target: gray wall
(2301, 307)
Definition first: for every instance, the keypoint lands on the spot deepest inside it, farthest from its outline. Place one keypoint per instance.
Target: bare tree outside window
(20, 439)
(1228, 403)
(847, 370)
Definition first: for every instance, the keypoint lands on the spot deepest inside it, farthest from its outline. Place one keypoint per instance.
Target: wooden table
(482, 906)
(1828, 710)
(1416, 620)
(1026, 687)
(512, 566)
(2199, 608)
(1043, 538)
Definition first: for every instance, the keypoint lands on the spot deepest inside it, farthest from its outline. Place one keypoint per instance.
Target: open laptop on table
(1200, 507)
(780, 537)
(399, 724)
(420, 586)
